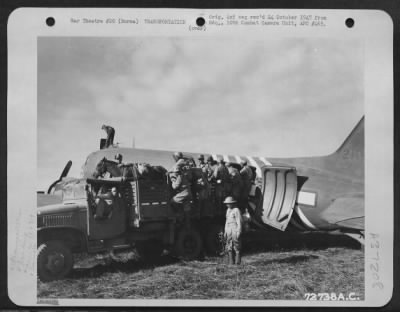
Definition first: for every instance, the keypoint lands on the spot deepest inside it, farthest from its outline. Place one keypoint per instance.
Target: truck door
(279, 191)
(110, 225)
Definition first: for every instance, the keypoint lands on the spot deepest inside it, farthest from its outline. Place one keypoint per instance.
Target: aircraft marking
(238, 159)
(306, 198)
(303, 218)
(255, 164)
(265, 161)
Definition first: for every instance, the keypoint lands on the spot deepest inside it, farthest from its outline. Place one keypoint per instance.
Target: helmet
(178, 155)
(230, 200)
(180, 163)
(201, 157)
(209, 158)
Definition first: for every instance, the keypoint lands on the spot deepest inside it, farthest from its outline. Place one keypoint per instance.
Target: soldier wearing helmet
(222, 183)
(118, 158)
(181, 184)
(247, 176)
(202, 164)
(209, 168)
(110, 135)
(236, 181)
(233, 231)
(178, 156)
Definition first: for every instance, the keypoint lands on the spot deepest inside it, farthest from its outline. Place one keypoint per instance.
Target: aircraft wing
(346, 212)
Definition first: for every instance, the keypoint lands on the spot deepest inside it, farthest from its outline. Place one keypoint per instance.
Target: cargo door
(279, 191)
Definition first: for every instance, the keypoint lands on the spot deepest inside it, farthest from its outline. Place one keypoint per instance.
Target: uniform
(202, 188)
(202, 164)
(236, 182)
(233, 230)
(209, 169)
(247, 176)
(110, 135)
(222, 184)
(181, 185)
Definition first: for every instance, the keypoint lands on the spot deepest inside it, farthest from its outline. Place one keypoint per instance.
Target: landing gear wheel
(54, 261)
(214, 240)
(149, 251)
(188, 245)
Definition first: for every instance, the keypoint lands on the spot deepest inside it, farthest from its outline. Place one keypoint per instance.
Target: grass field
(271, 270)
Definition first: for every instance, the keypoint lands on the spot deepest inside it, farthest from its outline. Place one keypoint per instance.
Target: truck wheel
(188, 244)
(149, 251)
(214, 239)
(54, 261)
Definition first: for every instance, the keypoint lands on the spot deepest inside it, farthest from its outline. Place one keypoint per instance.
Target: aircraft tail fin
(350, 155)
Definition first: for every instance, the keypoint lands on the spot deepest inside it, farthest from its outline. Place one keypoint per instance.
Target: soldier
(209, 168)
(182, 187)
(222, 183)
(201, 188)
(110, 135)
(107, 202)
(236, 181)
(178, 156)
(247, 176)
(202, 164)
(233, 231)
(118, 158)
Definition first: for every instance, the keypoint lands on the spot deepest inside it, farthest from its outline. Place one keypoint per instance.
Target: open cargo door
(279, 191)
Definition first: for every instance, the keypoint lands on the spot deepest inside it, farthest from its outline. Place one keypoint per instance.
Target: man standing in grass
(233, 231)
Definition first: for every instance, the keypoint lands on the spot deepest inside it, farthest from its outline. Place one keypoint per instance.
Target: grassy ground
(288, 270)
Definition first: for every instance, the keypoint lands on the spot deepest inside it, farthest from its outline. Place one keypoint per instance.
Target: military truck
(139, 217)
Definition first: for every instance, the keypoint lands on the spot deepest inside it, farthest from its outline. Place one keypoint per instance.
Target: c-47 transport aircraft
(97, 213)
(310, 194)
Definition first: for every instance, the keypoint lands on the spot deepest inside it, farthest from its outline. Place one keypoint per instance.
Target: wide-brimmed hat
(230, 200)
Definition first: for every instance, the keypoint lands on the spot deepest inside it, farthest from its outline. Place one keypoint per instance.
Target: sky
(287, 97)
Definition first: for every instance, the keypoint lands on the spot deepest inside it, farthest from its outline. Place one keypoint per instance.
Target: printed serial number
(331, 297)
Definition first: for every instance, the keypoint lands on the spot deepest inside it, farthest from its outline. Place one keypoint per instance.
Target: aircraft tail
(350, 155)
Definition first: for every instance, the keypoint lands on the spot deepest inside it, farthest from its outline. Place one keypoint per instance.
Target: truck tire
(149, 251)
(188, 244)
(214, 240)
(54, 261)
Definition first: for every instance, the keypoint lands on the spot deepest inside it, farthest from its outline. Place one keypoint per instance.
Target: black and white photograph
(220, 168)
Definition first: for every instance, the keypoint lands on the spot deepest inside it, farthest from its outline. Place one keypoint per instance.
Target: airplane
(324, 193)
(308, 194)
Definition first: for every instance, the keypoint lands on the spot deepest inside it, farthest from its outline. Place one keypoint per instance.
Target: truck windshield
(74, 190)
